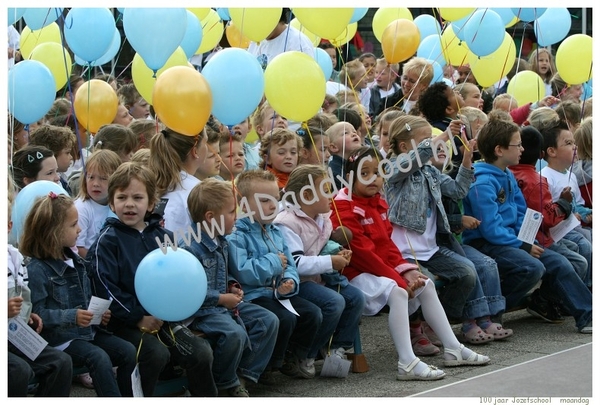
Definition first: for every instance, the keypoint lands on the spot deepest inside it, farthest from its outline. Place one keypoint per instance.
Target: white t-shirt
(557, 181)
(177, 217)
(91, 219)
(422, 246)
(290, 39)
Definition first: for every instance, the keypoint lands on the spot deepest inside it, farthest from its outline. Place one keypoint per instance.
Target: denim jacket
(407, 191)
(214, 258)
(57, 292)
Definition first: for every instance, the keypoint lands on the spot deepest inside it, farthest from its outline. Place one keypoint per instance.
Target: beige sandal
(406, 373)
(473, 360)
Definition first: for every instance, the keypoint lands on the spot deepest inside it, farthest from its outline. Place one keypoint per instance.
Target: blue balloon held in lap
(171, 286)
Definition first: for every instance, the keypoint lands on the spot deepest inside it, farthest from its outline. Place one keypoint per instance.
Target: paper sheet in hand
(98, 306)
(24, 338)
(564, 227)
(529, 227)
(288, 305)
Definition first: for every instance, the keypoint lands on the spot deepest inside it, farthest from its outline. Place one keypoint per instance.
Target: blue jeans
(341, 314)
(53, 368)
(99, 356)
(459, 278)
(561, 282)
(486, 298)
(580, 263)
(585, 249)
(519, 271)
(296, 333)
(262, 326)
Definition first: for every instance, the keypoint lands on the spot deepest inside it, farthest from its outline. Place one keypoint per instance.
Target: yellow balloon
(255, 23)
(200, 12)
(182, 100)
(455, 13)
(512, 22)
(493, 67)
(212, 32)
(384, 16)
(400, 40)
(455, 50)
(252, 137)
(57, 59)
(95, 104)
(295, 85)
(346, 35)
(327, 23)
(235, 37)
(143, 76)
(30, 39)
(526, 87)
(315, 39)
(574, 59)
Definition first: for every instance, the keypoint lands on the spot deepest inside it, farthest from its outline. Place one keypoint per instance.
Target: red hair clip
(52, 195)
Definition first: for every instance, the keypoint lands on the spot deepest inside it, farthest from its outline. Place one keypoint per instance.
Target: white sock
(434, 314)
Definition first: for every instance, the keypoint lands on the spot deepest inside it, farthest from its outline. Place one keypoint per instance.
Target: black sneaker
(545, 310)
(290, 365)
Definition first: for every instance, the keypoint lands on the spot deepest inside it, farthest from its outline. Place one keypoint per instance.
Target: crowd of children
(409, 196)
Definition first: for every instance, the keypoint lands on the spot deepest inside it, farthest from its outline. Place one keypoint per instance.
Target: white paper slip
(529, 227)
(288, 305)
(136, 382)
(335, 367)
(98, 306)
(564, 227)
(24, 338)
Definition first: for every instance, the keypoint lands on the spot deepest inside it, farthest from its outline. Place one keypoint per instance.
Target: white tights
(433, 313)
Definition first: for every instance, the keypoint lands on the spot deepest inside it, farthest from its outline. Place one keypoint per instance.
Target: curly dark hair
(433, 102)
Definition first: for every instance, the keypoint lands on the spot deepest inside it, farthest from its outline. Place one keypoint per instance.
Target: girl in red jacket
(379, 270)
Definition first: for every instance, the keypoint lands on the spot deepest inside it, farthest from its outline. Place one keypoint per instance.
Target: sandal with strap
(498, 332)
(474, 359)
(475, 336)
(406, 372)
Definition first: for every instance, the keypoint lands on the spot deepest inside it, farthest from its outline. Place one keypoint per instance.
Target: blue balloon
(234, 71)
(31, 91)
(553, 26)
(357, 15)
(108, 56)
(155, 33)
(431, 48)
(324, 61)
(438, 72)
(89, 32)
(25, 200)
(223, 12)
(458, 26)
(484, 32)
(588, 90)
(171, 286)
(15, 14)
(528, 14)
(193, 35)
(506, 14)
(428, 25)
(38, 18)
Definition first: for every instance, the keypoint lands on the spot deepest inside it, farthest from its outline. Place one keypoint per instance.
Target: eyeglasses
(518, 145)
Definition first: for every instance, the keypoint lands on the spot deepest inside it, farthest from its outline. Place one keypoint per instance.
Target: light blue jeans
(585, 249)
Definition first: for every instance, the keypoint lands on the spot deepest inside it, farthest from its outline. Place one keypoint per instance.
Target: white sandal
(406, 373)
(473, 360)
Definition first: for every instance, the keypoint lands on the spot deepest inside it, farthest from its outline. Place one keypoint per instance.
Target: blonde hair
(533, 60)
(53, 137)
(104, 161)
(587, 108)
(168, 152)
(543, 118)
(278, 137)
(402, 130)
(583, 139)
(498, 114)
(244, 183)
(570, 112)
(346, 96)
(321, 121)
(122, 177)
(60, 106)
(472, 114)
(395, 67)
(145, 130)
(464, 87)
(349, 71)
(128, 95)
(260, 114)
(117, 138)
(141, 156)
(419, 66)
(44, 227)
(387, 115)
(300, 177)
(209, 195)
(503, 98)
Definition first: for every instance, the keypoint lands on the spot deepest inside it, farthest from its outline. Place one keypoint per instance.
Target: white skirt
(377, 292)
